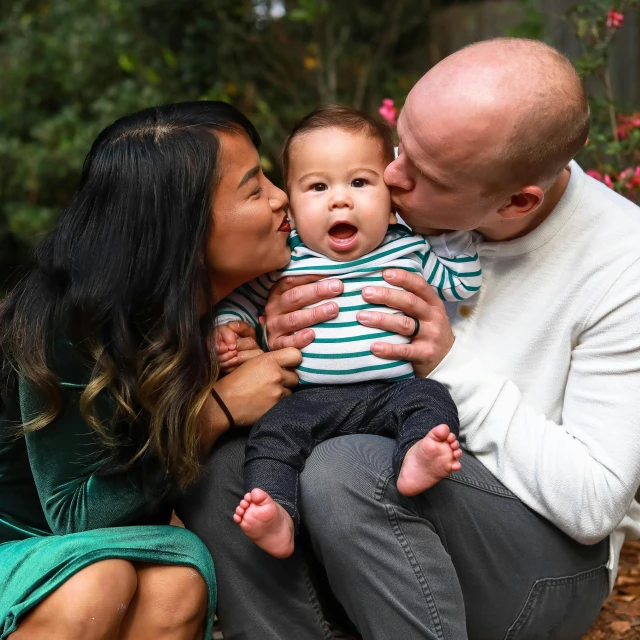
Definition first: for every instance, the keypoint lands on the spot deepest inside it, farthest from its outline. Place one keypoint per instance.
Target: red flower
(594, 174)
(389, 112)
(614, 19)
(627, 123)
(608, 181)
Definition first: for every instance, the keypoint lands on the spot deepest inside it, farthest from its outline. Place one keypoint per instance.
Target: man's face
(436, 180)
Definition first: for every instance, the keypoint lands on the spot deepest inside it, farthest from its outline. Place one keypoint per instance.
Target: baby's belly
(341, 352)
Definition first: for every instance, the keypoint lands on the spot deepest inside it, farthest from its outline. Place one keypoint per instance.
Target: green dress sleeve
(65, 458)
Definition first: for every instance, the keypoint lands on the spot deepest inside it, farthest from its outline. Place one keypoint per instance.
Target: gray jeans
(466, 559)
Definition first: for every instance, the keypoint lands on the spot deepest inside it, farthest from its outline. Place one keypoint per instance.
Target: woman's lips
(343, 236)
(285, 226)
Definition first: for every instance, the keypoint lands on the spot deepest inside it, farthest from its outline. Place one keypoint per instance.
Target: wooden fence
(459, 25)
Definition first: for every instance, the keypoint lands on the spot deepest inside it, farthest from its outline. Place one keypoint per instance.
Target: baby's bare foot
(428, 461)
(266, 523)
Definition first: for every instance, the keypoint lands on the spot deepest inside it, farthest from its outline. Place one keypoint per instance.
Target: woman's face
(249, 231)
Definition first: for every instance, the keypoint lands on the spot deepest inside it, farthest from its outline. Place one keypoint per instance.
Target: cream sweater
(545, 368)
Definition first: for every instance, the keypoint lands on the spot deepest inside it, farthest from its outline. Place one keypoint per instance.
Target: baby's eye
(319, 186)
(358, 182)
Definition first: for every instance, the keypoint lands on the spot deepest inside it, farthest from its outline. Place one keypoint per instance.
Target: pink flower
(594, 174)
(389, 112)
(627, 123)
(608, 181)
(614, 19)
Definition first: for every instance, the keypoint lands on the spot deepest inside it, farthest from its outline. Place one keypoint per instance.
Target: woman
(108, 377)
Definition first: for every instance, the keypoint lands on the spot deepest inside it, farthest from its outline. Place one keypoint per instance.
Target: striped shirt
(341, 351)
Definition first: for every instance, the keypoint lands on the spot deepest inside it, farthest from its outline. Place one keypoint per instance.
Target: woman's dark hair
(338, 116)
(123, 277)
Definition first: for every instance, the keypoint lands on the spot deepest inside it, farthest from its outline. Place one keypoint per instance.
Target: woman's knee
(91, 604)
(175, 596)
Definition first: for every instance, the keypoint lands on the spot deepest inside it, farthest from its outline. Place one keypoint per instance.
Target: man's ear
(521, 204)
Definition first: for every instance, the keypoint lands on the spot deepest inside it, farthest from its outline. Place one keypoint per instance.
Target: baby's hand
(235, 343)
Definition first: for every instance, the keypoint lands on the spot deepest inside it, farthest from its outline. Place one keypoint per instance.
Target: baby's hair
(337, 116)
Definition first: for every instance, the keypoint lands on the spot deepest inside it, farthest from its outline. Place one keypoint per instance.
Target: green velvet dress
(58, 514)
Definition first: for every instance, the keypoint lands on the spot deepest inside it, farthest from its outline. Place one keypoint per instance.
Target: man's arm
(581, 474)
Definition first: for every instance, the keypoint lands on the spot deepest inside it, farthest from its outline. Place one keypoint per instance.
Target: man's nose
(395, 175)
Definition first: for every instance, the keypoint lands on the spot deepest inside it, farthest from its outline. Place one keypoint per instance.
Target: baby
(344, 227)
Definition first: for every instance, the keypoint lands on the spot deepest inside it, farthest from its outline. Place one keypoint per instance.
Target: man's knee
(341, 476)
(177, 595)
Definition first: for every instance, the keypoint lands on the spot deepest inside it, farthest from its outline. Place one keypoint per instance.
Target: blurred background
(68, 68)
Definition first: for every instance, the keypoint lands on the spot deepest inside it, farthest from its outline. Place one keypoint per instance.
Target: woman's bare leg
(169, 604)
(91, 605)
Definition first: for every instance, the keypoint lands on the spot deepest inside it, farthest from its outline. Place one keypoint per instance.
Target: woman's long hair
(122, 277)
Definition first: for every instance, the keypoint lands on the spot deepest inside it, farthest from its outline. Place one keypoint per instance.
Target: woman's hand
(416, 300)
(235, 344)
(253, 388)
(285, 311)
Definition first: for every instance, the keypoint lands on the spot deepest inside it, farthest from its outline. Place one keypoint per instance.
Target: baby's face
(340, 204)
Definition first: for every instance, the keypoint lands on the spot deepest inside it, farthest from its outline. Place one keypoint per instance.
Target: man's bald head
(518, 104)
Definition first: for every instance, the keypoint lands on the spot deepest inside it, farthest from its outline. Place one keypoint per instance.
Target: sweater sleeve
(451, 265)
(65, 458)
(245, 303)
(583, 472)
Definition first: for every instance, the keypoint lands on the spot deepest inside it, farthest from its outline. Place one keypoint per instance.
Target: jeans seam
(484, 486)
(394, 522)
(311, 592)
(532, 597)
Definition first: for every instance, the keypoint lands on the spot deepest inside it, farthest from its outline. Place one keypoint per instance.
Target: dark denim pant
(282, 440)
(465, 559)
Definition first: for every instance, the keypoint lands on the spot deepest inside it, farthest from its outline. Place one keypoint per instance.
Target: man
(544, 365)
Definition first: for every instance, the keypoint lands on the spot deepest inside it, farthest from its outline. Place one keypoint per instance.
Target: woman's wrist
(215, 423)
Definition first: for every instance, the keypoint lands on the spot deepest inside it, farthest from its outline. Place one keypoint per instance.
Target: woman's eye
(319, 186)
(358, 182)
(257, 192)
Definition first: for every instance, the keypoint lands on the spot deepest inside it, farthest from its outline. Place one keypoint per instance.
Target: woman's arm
(66, 455)
(65, 458)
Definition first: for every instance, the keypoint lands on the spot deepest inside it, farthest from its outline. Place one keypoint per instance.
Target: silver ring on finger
(417, 328)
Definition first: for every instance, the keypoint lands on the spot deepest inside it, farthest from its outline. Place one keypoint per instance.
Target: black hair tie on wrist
(225, 409)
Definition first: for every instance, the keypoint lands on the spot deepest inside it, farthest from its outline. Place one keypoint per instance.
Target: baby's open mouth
(342, 231)
(343, 235)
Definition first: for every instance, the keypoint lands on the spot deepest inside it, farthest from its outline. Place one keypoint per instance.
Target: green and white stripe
(341, 352)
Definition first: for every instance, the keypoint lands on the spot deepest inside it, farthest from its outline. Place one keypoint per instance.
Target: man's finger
(393, 322)
(414, 283)
(288, 282)
(298, 340)
(283, 301)
(298, 320)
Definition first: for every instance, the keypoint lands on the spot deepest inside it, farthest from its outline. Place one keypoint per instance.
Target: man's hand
(235, 343)
(416, 300)
(285, 311)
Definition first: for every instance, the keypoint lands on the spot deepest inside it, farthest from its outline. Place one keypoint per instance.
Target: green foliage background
(68, 68)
